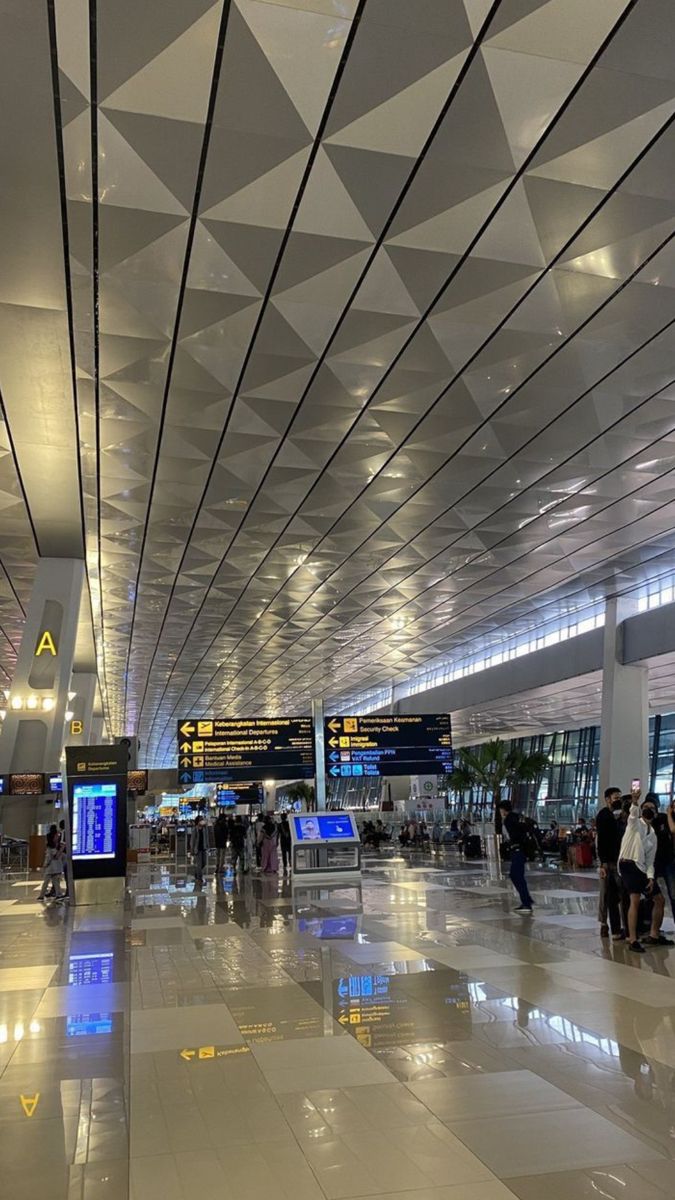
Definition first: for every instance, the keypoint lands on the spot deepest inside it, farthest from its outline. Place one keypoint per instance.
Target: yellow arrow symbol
(29, 1103)
(185, 762)
(187, 729)
(333, 741)
(186, 747)
(334, 725)
(343, 1018)
(187, 1054)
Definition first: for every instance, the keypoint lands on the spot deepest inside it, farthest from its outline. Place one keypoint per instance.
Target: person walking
(636, 866)
(609, 834)
(285, 841)
(53, 865)
(238, 844)
(220, 830)
(514, 833)
(269, 857)
(199, 848)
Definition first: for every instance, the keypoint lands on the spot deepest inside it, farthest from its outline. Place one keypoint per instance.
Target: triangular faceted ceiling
(360, 332)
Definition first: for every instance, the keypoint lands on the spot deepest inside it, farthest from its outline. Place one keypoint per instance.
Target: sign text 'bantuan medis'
(388, 745)
(223, 750)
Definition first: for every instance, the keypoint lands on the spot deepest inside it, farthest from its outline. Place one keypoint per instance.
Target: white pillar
(79, 728)
(624, 732)
(320, 753)
(32, 734)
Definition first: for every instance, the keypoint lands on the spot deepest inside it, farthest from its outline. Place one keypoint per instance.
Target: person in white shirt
(636, 867)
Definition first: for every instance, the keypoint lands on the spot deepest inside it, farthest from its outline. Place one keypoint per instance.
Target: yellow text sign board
(380, 745)
(227, 750)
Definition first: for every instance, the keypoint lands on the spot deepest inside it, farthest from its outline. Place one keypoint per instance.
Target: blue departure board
(94, 820)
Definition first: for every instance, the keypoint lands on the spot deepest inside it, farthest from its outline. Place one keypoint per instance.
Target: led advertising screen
(94, 821)
(324, 827)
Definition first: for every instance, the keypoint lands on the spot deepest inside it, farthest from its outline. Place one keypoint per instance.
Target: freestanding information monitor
(325, 844)
(97, 794)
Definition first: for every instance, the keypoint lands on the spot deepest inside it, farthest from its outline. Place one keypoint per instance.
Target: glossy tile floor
(409, 1038)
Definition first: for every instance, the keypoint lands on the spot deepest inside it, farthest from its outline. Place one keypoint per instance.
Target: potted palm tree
(304, 792)
(494, 765)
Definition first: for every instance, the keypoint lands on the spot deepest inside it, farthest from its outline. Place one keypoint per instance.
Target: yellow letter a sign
(46, 643)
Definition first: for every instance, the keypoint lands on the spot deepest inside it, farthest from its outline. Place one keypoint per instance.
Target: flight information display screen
(328, 827)
(94, 820)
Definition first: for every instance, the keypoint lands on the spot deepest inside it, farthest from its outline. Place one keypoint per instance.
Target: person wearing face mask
(609, 829)
(636, 867)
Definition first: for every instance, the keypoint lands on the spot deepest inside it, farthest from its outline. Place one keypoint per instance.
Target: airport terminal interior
(337, 599)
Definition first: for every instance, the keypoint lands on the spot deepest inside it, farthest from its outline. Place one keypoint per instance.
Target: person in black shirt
(514, 832)
(199, 848)
(610, 827)
(285, 841)
(220, 831)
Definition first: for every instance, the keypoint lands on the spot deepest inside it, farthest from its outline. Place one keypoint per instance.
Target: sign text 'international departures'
(225, 750)
(388, 745)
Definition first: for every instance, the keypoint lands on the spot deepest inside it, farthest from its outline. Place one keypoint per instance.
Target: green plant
(494, 765)
(304, 792)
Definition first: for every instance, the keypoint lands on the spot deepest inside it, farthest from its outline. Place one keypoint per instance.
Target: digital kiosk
(324, 844)
(97, 795)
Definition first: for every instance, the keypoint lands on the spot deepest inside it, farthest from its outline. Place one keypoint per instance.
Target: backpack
(528, 840)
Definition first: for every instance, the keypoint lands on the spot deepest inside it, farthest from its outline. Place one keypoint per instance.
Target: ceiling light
(72, 695)
(16, 702)
(47, 704)
(32, 702)
(69, 715)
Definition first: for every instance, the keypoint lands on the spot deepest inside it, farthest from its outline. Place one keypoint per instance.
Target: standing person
(636, 866)
(609, 827)
(664, 862)
(63, 846)
(220, 830)
(515, 834)
(258, 839)
(238, 844)
(285, 841)
(53, 865)
(269, 857)
(199, 848)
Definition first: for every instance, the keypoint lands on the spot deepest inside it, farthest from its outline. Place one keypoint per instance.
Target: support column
(33, 730)
(79, 726)
(624, 732)
(320, 754)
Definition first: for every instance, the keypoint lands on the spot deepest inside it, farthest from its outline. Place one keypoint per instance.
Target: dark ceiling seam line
(394, 362)
(58, 137)
(194, 216)
(598, 383)
(459, 374)
(93, 128)
(58, 128)
(5, 572)
(19, 477)
(376, 246)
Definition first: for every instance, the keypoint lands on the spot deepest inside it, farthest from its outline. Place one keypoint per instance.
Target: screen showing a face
(94, 831)
(324, 827)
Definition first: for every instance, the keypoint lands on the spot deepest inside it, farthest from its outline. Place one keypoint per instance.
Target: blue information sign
(94, 820)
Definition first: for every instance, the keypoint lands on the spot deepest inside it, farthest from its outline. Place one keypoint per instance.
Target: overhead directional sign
(225, 750)
(388, 745)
